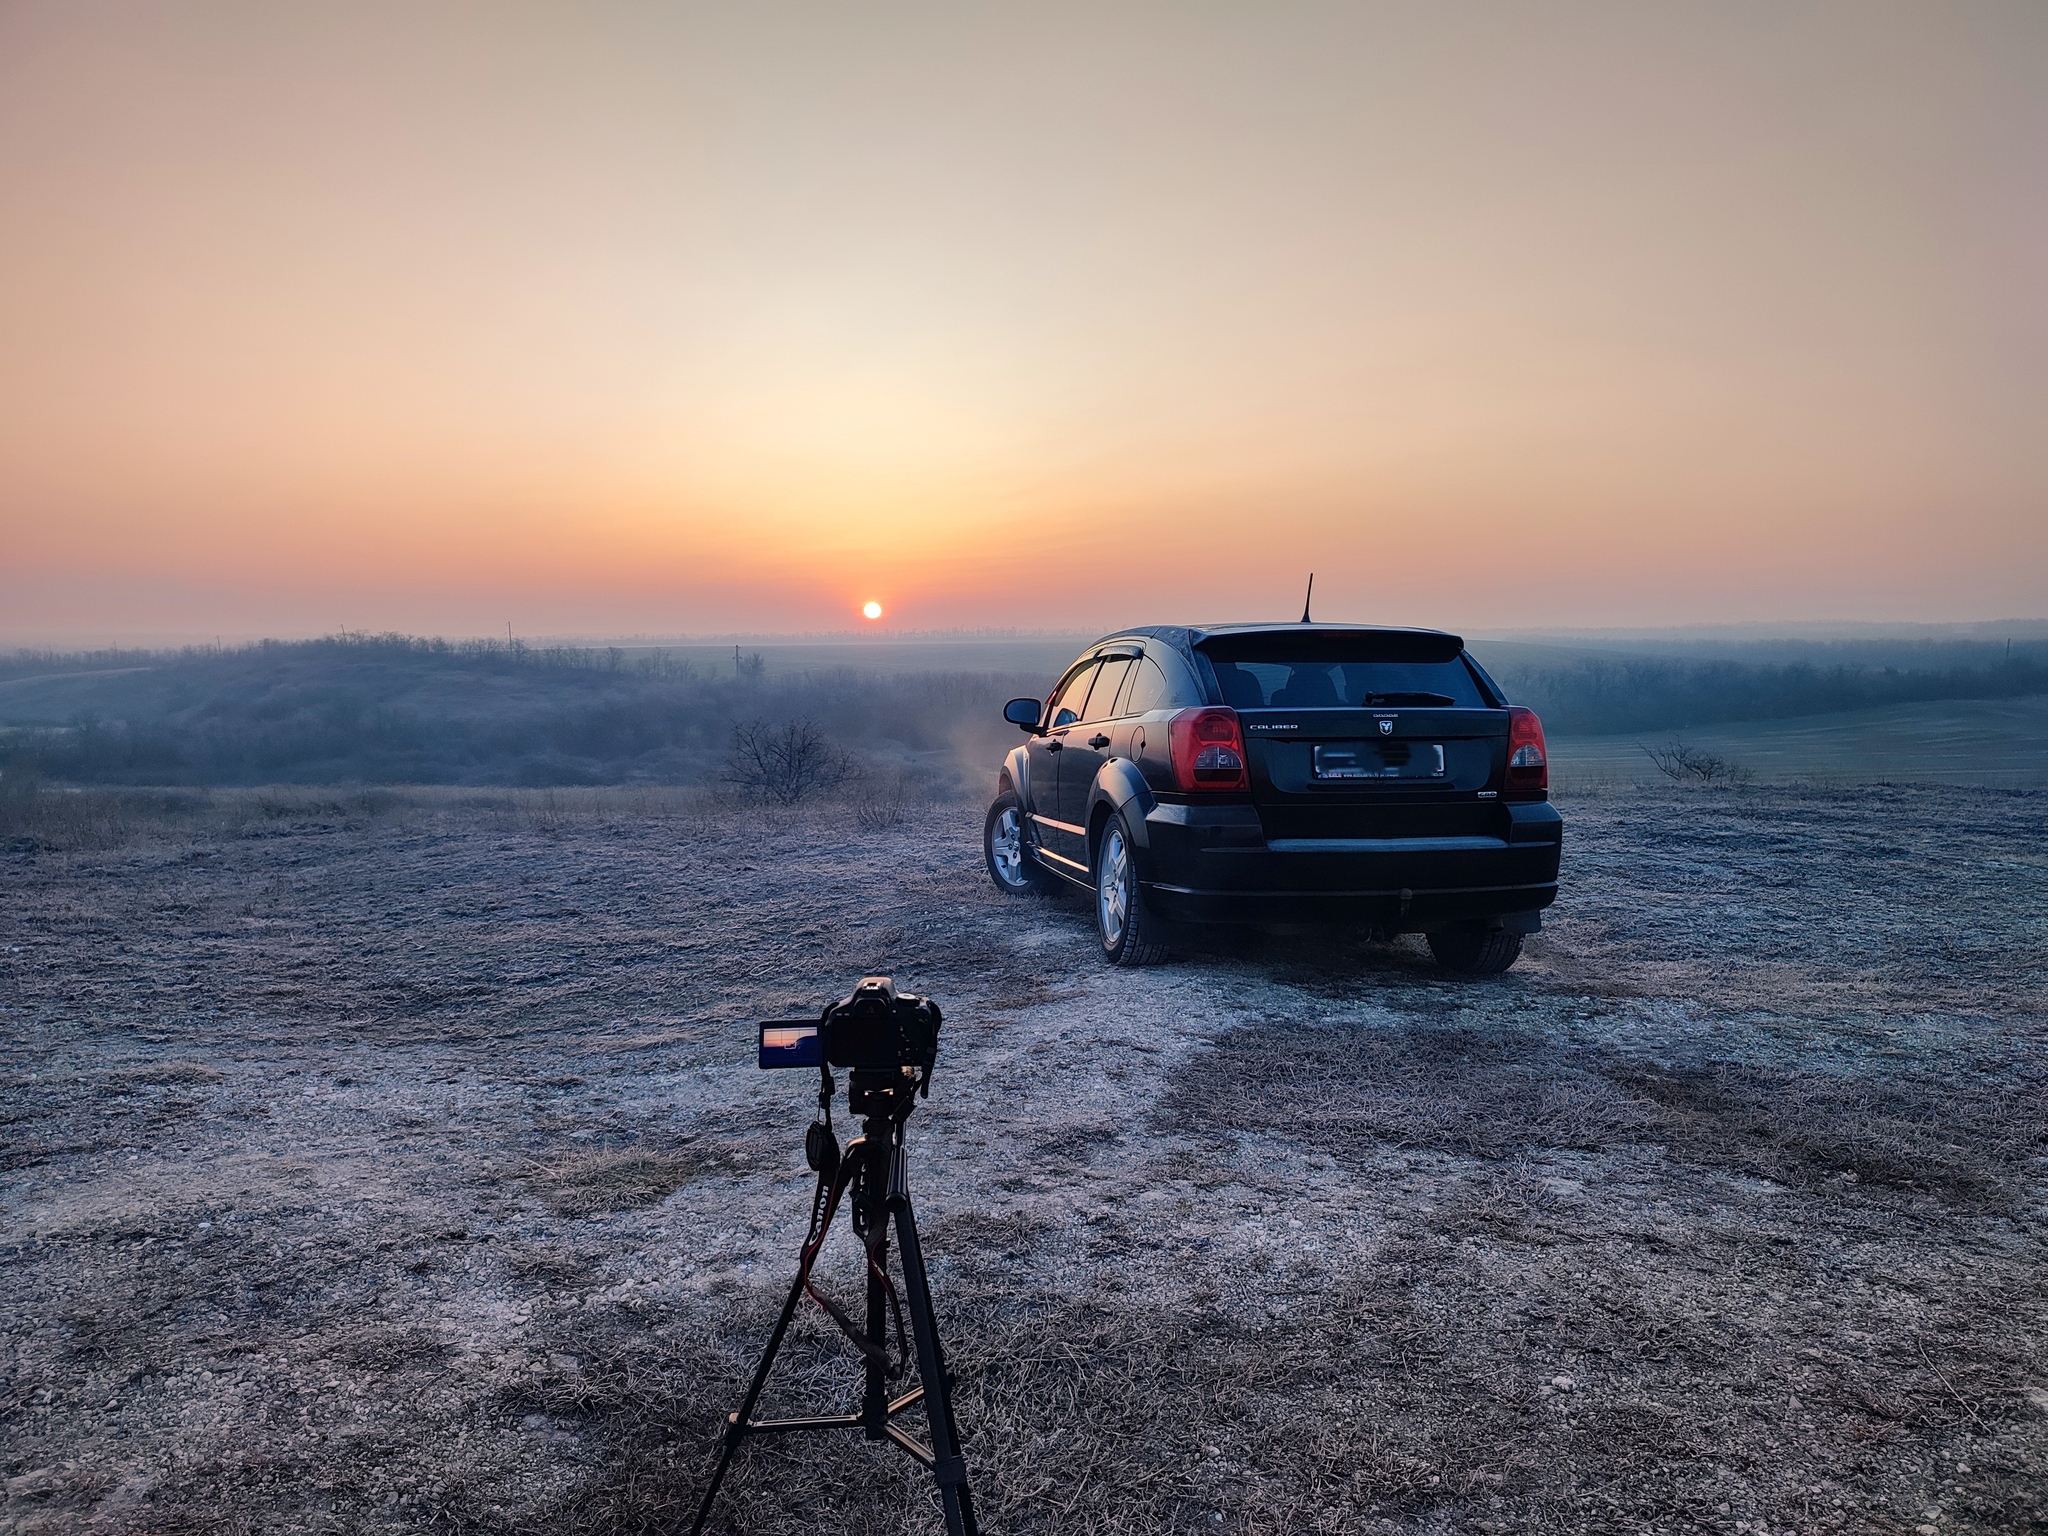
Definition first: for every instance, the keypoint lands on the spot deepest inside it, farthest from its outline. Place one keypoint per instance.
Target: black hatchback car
(1283, 773)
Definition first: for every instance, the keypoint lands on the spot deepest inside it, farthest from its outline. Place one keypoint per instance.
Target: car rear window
(1326, 672)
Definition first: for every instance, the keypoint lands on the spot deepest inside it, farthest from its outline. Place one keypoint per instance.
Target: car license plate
(1379, 760)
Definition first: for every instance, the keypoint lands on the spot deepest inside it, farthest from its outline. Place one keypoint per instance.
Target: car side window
(1147, 691)
(1109, 682)
(1122, 706)
(1066, 708)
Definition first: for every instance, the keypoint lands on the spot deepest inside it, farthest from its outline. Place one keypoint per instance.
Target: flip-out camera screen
(789, 1044)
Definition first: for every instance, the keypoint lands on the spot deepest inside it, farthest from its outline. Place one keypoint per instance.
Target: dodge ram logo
(1386, 727)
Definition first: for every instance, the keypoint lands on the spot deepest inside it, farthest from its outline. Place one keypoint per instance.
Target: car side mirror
(1023, 713)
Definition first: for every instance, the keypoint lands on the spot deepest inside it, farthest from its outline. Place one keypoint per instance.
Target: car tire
(1472, 949)
(1130, 933)
(1008, 852)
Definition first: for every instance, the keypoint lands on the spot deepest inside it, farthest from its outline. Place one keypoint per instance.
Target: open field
(393, 1161)
(1992, 742)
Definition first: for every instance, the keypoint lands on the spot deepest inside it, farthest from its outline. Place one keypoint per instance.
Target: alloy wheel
(1006, 847)
(1111, 894)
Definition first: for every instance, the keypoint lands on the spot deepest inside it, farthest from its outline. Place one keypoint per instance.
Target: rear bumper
(1213, 864)
(1404, 910)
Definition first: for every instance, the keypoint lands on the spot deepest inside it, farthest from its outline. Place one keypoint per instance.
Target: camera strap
(832, 1184)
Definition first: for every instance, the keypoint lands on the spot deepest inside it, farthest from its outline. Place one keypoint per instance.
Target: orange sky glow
(663, 319)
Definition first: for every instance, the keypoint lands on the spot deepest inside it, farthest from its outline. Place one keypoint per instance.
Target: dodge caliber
(1283, 773)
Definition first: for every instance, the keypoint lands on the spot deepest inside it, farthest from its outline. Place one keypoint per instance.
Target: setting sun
(872, 610)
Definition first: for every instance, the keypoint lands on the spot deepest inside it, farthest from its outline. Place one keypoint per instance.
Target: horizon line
(1760, 630)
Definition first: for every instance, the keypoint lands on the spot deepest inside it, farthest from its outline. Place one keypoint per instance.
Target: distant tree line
(352, 647)
(1599, 696)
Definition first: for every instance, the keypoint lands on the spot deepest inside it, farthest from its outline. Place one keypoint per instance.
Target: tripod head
(880, 1094)
(883, 1097)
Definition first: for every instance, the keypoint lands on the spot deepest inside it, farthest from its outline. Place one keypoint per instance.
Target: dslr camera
(873, 1029)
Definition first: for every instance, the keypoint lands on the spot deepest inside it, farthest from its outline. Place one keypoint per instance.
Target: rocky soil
(399, 1164)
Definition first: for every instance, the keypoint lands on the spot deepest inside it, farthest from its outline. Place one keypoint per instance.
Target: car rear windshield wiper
(1407, 700)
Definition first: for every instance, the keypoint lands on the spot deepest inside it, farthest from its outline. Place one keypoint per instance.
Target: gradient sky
(668, 319)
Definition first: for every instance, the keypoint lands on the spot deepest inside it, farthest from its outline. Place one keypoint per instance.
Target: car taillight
(1208, 750)
(1528, 763)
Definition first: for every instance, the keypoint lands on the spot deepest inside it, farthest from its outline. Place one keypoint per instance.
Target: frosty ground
(397, 1162)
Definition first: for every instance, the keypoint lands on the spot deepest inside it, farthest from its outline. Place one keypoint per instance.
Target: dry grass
(93, 820)
(592, 1183)
(1357, 1090)
(1491, 1093)
(403, 1170)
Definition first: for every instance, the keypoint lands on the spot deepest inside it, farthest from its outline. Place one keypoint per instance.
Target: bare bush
(886, 801)
(784, 763)
(1694, 765)
(880, 811)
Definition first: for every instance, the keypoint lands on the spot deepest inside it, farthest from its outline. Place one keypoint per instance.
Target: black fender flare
(1017, 774)
(1120, 786)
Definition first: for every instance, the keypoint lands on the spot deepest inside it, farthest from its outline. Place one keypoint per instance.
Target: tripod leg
(736, 1424)
(871, 1200)
(874, 1403)
(949, 1466)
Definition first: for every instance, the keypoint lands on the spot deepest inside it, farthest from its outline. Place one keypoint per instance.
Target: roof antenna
(1311, 592)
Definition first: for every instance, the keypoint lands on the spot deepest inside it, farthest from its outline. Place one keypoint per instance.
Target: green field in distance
(1997, 742)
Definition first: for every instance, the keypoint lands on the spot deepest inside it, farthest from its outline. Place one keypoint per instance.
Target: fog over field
(397, 709)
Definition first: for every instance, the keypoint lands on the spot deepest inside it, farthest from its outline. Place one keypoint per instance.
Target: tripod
(874, 1167)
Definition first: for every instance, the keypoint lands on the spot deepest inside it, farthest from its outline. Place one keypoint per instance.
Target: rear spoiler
(1328, 640)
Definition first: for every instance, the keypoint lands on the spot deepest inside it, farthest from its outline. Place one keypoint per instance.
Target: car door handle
(1098, 742)
(1055, 746)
